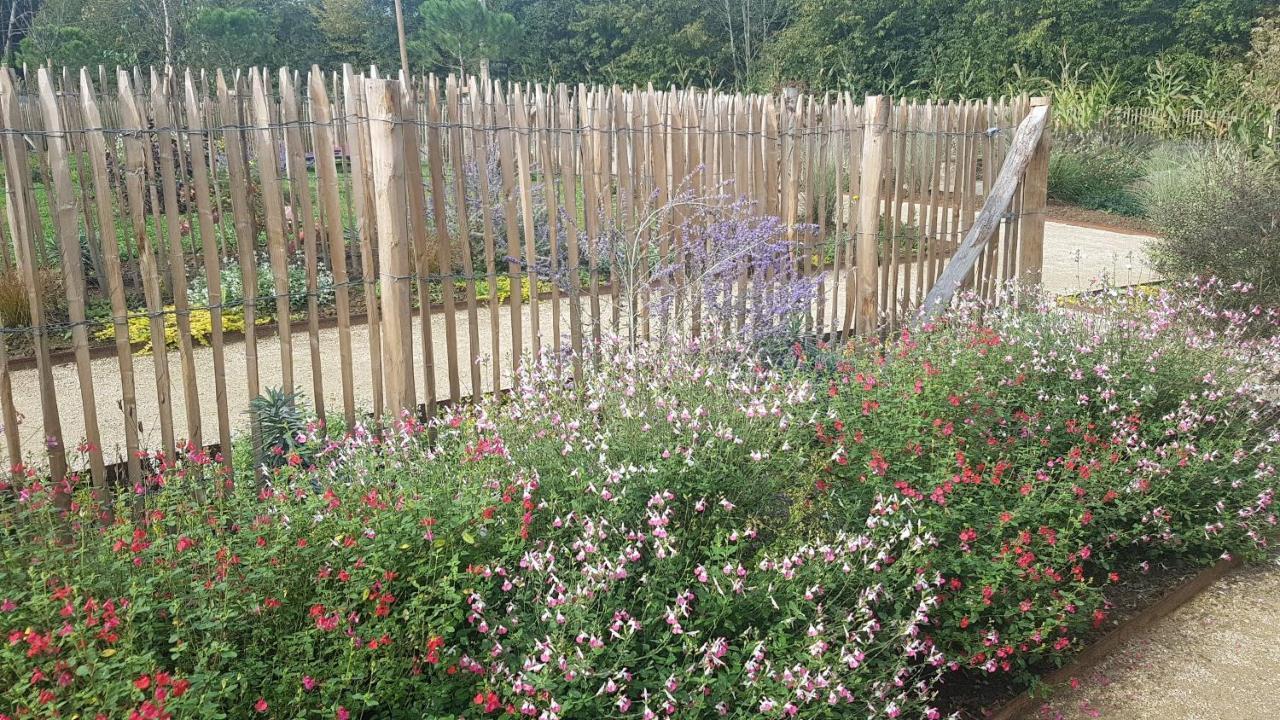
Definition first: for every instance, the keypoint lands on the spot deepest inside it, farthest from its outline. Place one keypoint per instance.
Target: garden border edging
(1025, 704)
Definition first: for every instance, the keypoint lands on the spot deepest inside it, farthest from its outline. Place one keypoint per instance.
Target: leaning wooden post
(960, 267)
(875, 118)
(387, 142)
(1035, 194)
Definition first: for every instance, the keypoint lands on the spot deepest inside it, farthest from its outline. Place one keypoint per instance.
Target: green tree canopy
(970, 47)
(222, 37)
(921, 47)
(460, 34)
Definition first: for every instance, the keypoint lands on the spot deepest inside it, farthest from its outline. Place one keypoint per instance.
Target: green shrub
(233, 286)
(1220, 219)
(1055, 455)
(1171, 169)
(1096, 174)
(281, 427)
(635, 544)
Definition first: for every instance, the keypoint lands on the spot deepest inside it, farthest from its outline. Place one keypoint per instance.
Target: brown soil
(978, 695)
(1097, 219)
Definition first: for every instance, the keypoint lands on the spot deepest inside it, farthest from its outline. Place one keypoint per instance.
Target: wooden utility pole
(404, 51)
(484, 61)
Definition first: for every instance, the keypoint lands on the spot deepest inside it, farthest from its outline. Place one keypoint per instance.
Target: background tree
(953, 47)
(16, 17)
(664, 42)
(1264, 63)
(461, 34)
(361, 32)
(749, 25)
(939, 48)
(228, 37)
(124, 32)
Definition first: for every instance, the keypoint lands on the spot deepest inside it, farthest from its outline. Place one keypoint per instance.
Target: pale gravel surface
(1075, 258)
(1215, 658)
(1080, 258)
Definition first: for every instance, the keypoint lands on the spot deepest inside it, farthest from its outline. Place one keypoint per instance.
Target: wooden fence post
(67, 229)
(960, 267)
(137, 150)
(323, 139)
(303, 224)
(212, 265)
(875, 119)
(387, 144)
(97, 151)
(25, 233)
(273, 208)
(1035, 194)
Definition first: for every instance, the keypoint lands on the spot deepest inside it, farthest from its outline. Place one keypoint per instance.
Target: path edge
(1025, 704)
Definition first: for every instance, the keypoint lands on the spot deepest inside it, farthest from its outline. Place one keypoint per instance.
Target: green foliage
(1220, 219)
(357, 31)
(929, 47)
(884, 46)
(1182, 96)
(280, 428)
(1175, 168)
(459, 34)
(1042, 450)
(230, 37)
(1264, 62)
(229, 33)
(66, 45)
(1080, 106)
(199, 324)
(233, 286)
(1096, 174)
(678, 530)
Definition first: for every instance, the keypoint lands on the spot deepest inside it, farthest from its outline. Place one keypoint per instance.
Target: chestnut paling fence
(379, 244)
(1187, 123)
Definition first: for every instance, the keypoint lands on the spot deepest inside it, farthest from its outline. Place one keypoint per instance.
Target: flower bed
(691, 532)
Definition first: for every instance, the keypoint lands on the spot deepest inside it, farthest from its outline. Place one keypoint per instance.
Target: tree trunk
(404, 51)
(8, 32)
(168, 33)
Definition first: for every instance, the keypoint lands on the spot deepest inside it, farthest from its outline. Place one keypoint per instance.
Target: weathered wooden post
(1035, 194)
(875, 118)
(386, 134)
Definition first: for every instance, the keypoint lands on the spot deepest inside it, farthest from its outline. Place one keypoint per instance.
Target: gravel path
(106, 376)
(1075, 258)
(1215, 658)
(1079, 258)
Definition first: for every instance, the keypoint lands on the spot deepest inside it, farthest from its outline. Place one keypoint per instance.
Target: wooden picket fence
(1187, 123)
(408, 205)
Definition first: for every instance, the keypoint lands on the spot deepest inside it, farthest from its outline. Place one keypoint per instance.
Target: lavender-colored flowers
(745, 271)
(712, 261)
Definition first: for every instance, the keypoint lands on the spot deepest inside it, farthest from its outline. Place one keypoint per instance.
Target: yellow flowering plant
(201, 327)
